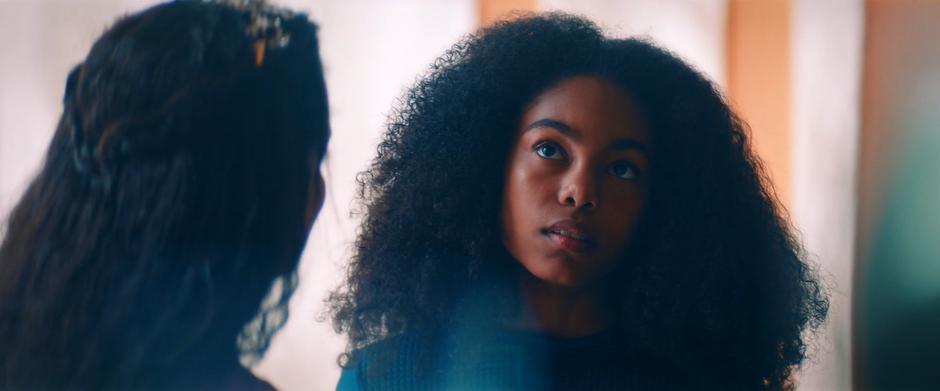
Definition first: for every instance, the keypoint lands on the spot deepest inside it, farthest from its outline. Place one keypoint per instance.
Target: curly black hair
(714, 280)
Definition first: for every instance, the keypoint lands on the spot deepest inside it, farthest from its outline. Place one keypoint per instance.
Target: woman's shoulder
(390, 362)
(509, 360)
(398, 347)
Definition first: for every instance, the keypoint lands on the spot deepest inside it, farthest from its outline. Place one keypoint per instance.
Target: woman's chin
(560, 274)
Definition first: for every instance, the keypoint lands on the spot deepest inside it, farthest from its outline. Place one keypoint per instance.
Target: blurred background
(842, 97)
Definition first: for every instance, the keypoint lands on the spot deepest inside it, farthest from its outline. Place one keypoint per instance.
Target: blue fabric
(507, 360)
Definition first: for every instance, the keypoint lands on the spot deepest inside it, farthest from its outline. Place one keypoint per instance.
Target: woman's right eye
(549, 150)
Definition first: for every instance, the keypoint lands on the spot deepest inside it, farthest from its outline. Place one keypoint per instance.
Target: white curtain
(826, 39)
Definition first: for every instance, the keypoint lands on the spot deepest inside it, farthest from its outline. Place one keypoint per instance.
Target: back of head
(173, 193)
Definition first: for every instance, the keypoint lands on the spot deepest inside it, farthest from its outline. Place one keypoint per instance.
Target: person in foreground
(552, 208)
(180, 183)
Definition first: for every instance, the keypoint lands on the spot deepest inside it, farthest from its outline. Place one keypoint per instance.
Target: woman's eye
(549, 151)
(623, 170)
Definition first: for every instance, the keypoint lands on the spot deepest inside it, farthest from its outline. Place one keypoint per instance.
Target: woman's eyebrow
(561, 127)
(627, 143)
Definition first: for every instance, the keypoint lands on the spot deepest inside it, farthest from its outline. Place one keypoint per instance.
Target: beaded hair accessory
(265, 24)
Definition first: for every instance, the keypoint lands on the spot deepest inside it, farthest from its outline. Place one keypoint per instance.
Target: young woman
(551, 208)
(180, 183)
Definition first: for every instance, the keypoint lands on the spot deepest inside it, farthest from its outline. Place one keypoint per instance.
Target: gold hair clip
(265, 24)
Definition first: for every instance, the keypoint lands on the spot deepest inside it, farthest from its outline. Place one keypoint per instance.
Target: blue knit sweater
(504, 359)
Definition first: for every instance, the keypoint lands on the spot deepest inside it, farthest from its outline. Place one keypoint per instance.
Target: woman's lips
(570, 236)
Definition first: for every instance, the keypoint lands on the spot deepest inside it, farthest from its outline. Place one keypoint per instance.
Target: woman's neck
(562, 311)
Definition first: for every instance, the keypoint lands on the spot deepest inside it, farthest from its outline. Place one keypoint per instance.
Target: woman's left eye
(623, 170)
(549, 150)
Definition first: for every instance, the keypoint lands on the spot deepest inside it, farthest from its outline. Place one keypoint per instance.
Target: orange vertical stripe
(758, 72)
(490, 11)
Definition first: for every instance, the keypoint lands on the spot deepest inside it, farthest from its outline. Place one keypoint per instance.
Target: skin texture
(580, 157)
(576, 184)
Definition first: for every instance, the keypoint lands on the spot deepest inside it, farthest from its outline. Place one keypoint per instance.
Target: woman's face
(577, 180)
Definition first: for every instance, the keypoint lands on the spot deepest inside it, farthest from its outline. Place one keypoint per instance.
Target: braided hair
(172, 194)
